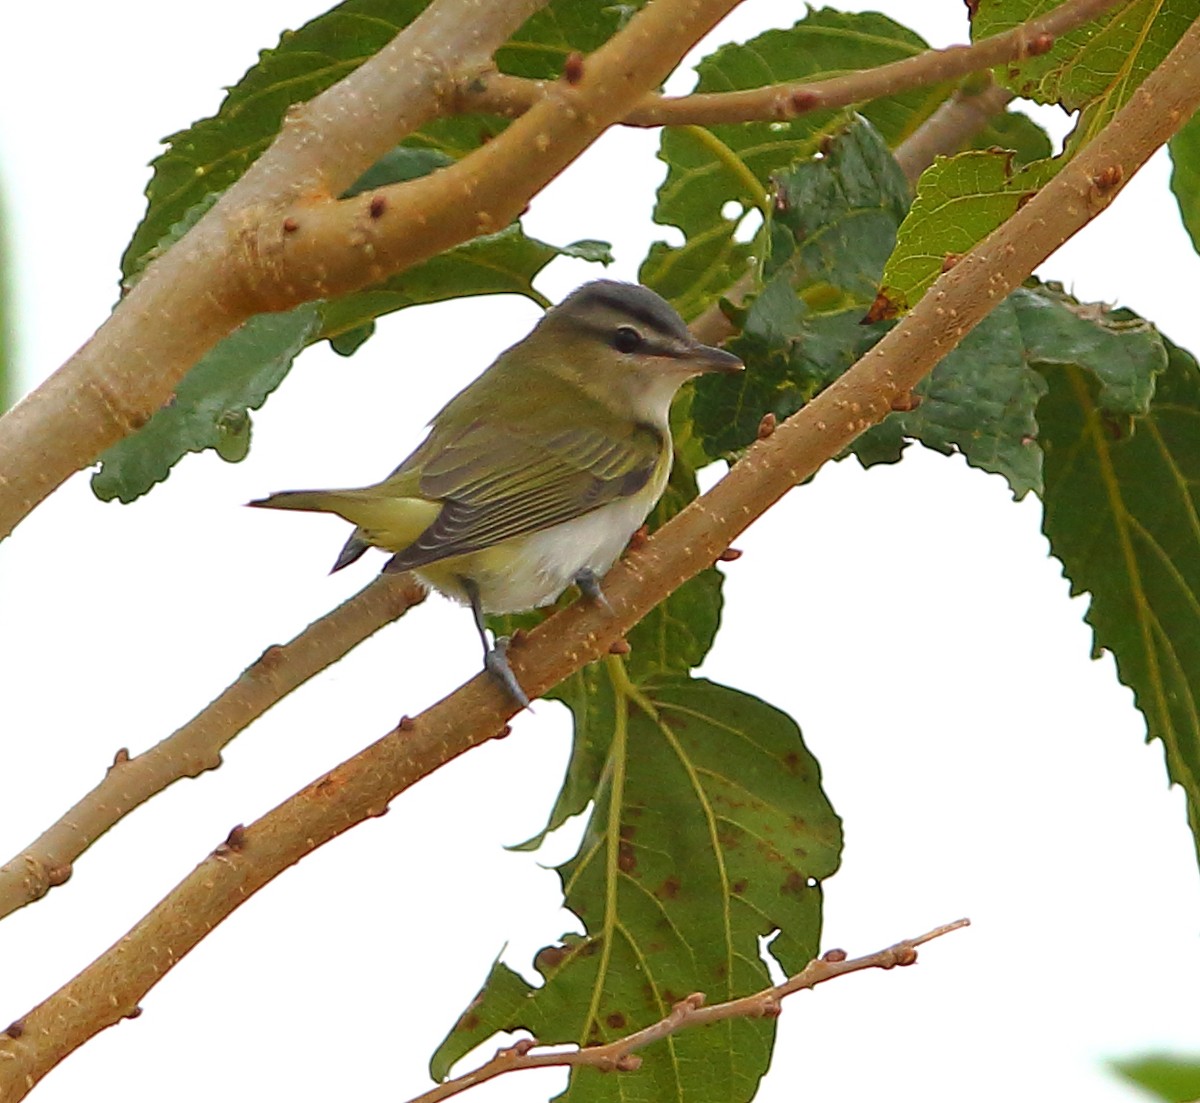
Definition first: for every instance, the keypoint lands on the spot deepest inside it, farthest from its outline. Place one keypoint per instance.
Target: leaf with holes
(1094, 68)
(709, 167)
(1122, 503)
(981, 400)
(709, 831)
(832, 226)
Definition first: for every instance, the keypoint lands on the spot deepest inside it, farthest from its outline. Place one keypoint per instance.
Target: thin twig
(618, 1056)
(511, 96)
(109, 989)
(196, 747)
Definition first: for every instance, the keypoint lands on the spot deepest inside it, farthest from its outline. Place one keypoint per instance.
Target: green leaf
(210, 408)
(709, 167)
(203, 160)
(710, 830)
(959, 201)
(1015, 131)
(1185, 176)
(1172, 1079)
(672, 638)
(832, 226)
(982, 399)
(503, 263)
(397, 165)
(1094, 68)
(1122, 499)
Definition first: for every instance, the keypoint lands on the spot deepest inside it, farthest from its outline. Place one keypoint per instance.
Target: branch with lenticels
(109, 989)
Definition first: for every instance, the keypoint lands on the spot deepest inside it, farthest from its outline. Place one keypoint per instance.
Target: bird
(536, 475)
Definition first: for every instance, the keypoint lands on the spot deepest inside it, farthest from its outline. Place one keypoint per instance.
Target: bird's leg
(495, 655)
(589, 585)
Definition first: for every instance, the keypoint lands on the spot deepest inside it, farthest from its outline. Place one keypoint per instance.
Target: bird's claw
(589, 585)
(495, 662)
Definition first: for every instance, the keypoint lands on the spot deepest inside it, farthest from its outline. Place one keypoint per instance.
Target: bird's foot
(589, 585)
(495, 662)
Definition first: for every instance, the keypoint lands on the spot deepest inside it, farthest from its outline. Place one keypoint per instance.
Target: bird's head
(626, 346)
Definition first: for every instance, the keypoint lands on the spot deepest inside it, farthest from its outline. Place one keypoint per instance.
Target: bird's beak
(705, 358)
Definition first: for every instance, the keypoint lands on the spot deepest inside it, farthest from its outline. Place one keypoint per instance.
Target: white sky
(909, 618)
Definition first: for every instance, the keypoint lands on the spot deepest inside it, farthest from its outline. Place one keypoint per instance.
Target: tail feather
(351, 552)
(323, 501)
(380, 520)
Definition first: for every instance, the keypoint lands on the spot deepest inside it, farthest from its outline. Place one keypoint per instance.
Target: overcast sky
(909, 618)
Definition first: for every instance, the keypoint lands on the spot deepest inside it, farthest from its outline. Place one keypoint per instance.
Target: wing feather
(496, 484)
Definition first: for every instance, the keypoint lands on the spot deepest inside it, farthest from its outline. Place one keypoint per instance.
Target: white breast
(533, 570)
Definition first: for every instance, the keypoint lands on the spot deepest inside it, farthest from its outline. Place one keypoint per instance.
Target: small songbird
(535, 475)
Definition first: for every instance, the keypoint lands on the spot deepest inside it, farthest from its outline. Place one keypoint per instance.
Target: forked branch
(110, 988)
(277, 237)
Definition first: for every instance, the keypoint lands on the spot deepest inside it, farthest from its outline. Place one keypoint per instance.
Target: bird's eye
(627, 339)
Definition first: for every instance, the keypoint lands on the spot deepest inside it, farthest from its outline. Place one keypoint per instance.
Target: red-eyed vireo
(538, 473)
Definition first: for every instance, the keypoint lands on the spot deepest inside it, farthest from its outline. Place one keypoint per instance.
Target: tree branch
(109, 989)
(949, 128)
(277, 238)
(501, 94)
(196, 747)
(619, 1056)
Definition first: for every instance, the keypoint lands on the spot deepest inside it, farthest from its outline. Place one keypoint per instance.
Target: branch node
(15, 1029)
(269, 661)
(407, 724)
(771, 1006)
(519, 1048)
(1040, 44)
(234, 842)
(627, 1062)
(120, 758)
(290, 225)
(1107, 178)
(905, 403)
(58, 874)
(834, 955)
(619, 646)
(730, 555)
(377, 207)
(768, 425)
(800, 100)
(134, 1012)
(638, 540)
(573, 67)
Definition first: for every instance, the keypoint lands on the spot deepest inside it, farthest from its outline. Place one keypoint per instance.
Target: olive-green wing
(495, 484)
